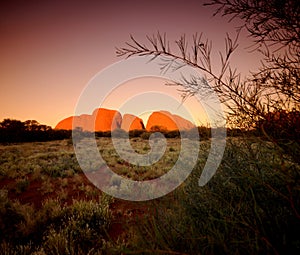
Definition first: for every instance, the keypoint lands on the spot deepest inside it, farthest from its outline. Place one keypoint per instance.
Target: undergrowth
(79, 228)
(251, 206)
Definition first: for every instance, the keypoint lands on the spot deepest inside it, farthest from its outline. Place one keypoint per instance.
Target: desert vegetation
(12, 130)
(250, 206)
(48, 206)
(258, 165)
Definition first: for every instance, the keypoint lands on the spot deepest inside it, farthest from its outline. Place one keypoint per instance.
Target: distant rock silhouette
(108, 120)
(164, 120)
(131, 122)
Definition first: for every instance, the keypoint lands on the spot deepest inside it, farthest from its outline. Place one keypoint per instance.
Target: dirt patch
(124, 212)
(35, 195)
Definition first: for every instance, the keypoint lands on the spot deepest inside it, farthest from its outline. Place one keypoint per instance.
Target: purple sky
(51, 49)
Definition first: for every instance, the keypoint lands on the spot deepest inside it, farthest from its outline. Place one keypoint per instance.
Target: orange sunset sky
(50, 50)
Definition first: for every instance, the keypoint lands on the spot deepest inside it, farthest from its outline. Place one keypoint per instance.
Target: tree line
(13, 131)
(277, 126)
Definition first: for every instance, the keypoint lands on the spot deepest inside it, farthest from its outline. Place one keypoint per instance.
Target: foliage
(54, 229)
(251, 206)
(12, 131)
(136, 133)
(119, 133)
(282, 125)
(49, 158)
(274, 28)
(103, 134)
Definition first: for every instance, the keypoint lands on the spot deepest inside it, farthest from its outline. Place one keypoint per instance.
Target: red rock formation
(101, 120)
(164, 120)
(84, 121)
(65, 124)
(107, 120)
(182, 123)
(131, 122)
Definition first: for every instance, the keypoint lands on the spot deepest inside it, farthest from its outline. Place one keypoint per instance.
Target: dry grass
(250, 206)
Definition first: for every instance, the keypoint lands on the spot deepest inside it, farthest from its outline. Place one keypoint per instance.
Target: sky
(50, 50)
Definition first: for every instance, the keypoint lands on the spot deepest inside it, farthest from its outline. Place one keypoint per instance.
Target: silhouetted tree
(32, 125)
(12, 130)
(15, 125)
(274, 27)
(29, 131)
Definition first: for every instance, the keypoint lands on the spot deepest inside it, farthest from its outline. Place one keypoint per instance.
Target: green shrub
(54, 229)
(83, 228)
(251, 206)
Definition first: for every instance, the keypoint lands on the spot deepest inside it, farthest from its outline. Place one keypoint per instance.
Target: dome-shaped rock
(131, 122)
(164, 120)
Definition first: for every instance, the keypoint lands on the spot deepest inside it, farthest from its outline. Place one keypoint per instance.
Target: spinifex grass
(140, 146)
(251, 206)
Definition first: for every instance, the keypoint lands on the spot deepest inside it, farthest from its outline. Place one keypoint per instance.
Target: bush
(136, 133)
(54, 229)
(119, 133)
(82, 229)
(146, 135)
(172, 134)
(251, 206)
(15, 131)
(103, 134)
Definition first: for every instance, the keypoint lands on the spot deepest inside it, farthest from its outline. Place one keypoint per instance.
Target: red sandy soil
(33, 195)
(124, 212)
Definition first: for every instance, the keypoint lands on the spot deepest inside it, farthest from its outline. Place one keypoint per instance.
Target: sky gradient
(51, 49)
